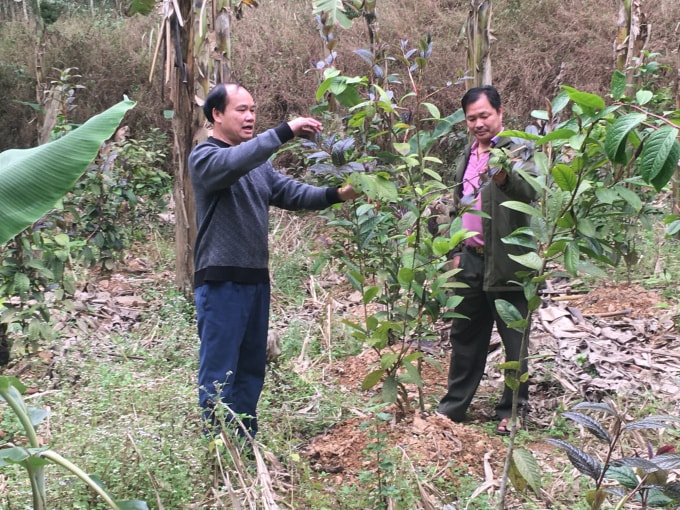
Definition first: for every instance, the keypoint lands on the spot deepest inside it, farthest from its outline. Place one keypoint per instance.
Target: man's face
(483, 121)
(237, 123)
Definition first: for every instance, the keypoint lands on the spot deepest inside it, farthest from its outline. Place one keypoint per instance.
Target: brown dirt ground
(429, 440)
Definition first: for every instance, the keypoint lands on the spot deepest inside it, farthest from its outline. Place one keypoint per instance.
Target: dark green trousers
(470, 339)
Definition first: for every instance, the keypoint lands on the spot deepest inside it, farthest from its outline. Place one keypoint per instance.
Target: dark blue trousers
(233, 320)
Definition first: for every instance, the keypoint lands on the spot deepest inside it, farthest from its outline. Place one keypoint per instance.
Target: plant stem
(58, 459)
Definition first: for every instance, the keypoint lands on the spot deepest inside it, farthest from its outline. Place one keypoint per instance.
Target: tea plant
(597, 171)
(642, 475)
(383, 144)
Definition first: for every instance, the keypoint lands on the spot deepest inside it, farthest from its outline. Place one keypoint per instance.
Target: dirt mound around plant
(425, 440)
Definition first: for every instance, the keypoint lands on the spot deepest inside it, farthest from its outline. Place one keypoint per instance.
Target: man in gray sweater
(234, 184)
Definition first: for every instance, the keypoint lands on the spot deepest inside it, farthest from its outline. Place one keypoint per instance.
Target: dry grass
(539, 44)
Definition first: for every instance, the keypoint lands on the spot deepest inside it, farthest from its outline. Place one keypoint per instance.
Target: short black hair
(218, 98)
(475, 93)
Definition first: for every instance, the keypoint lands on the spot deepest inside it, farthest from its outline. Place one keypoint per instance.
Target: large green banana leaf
(33, 180)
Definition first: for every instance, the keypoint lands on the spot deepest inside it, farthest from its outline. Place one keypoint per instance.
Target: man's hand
(500, 177)
(347, 193)
(305, 126)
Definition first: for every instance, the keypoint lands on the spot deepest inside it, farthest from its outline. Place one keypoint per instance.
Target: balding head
(218, 99)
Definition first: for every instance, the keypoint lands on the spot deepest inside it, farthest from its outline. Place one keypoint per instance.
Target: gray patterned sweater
(233, 188)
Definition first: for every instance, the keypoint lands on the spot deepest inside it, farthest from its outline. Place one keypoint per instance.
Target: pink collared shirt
(477, 164)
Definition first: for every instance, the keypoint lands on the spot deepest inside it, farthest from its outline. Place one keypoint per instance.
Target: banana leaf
(33, 180)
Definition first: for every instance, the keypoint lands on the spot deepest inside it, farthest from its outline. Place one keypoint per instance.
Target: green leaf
(558, 134)
(389, 389)
(656, 499)
(606, 195)
(660, 155)
(512, 133)
(32, 180)
(522, 207)
(62, 239)
(335, 11)
(388, 360)
(22, 283)
(615, 140)
(370, 293)
(511, 381)
(586, 267)
(643, 96)
(14, 455)
(37, 415)
(372, 379)
(507, 311)
(402, 148)
(564, 177)
(560, 101)
(414, 356)
(534, 303)
(516, 478)
(556, 248)
(585, 99)
(375, 186)
(355, 279)
(618, 85)
(509, 365)
(528, 467)
(624, 475)
(542, 164)
(434, 111)
(540, 114)
(571, 257)
(445, 125)
(440, 246)
(532, 260)
(630, 197)
(595, 498)
(412, 375)
(586, 227)
(405, 276)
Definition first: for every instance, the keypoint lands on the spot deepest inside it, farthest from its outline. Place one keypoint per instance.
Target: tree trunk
(631, 39)
(479, 43)
(675, 185)
(184, 123)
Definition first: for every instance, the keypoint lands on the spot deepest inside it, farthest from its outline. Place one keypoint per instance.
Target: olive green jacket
(499, 269)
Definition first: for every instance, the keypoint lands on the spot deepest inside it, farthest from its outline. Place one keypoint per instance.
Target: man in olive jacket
(483, 260)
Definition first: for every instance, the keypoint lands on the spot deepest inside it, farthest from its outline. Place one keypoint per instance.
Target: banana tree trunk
(631, 38)
(675, 205)
(479, 43)
(184, 123)
(198, 57)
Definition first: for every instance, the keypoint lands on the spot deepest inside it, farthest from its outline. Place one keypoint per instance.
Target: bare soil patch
(429, 440)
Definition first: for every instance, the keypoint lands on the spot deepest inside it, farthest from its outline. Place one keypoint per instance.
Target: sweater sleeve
(215, 165)
(293, 195)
